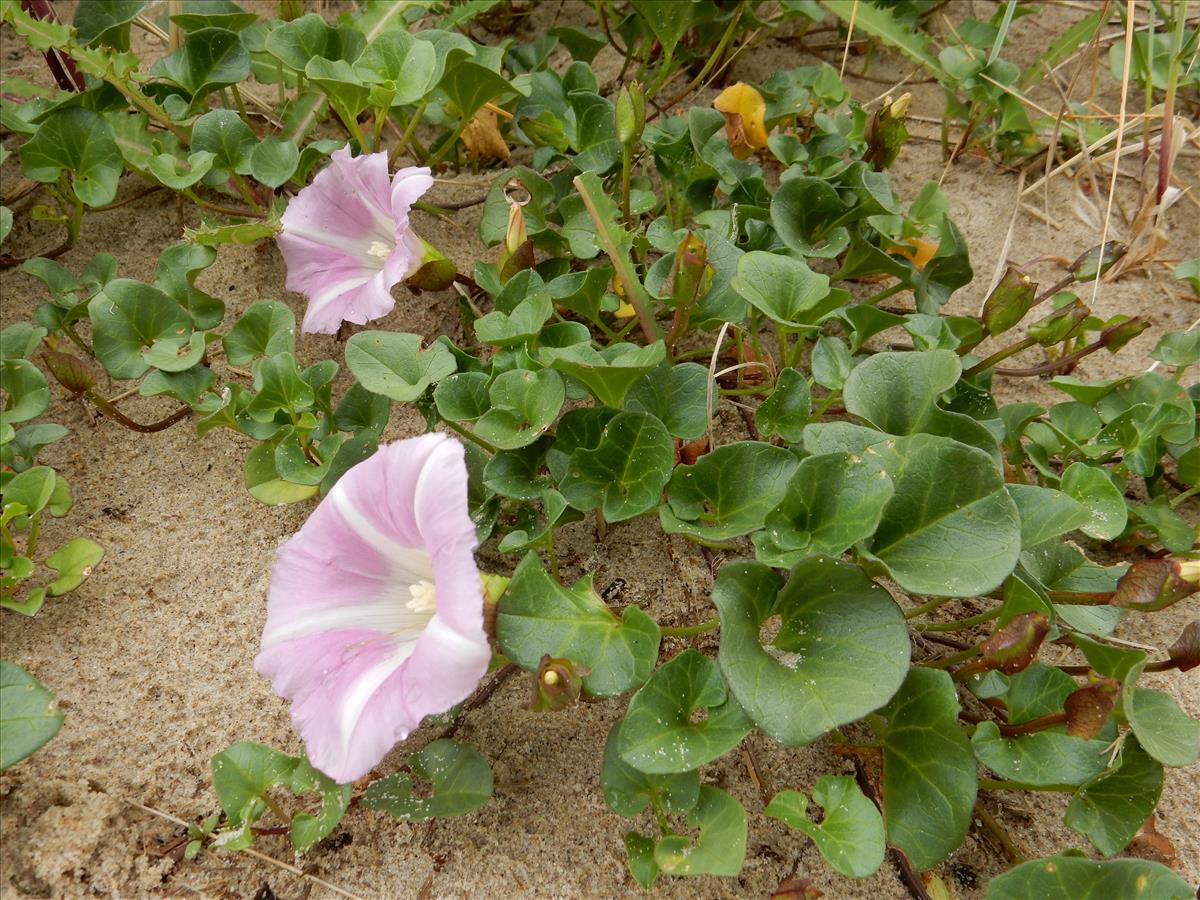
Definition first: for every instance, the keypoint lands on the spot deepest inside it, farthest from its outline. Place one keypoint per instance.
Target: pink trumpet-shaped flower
(375, 609)
(346, 239)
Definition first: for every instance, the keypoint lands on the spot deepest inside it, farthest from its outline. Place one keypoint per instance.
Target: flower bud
(70, 371)
(1089, 707)
(1185, 652)
(1060, 324)
(1015, 645)
(1153, 584)
(631, 114)
(1095, 262)
(1009, 301)
(887, 132)
(1114, 337)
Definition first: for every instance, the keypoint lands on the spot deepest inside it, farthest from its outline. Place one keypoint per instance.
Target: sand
(152, 658)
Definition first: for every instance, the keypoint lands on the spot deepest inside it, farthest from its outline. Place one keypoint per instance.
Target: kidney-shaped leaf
(1069, 877)
(727, 492)
(129, 317)
(720, 847)
(841, 650)
(850, 836)
(1111, 807)
(628, 791)
(394, 364)
(460, 777)
(625, 474)
(660, 735)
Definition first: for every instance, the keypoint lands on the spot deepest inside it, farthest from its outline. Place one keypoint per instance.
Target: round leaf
(841, 650)
(28, 716)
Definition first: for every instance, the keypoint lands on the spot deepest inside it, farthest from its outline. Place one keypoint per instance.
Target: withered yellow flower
(745, 114)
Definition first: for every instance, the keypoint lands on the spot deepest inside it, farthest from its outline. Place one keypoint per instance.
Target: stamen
(380, 249)
(423, 599)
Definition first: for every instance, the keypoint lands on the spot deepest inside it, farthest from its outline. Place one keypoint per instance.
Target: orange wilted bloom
(918, 251)
(745, 113)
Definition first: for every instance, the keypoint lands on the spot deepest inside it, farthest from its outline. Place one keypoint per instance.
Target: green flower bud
(631, 114)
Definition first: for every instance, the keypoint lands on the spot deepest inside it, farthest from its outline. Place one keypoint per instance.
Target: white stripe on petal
(410, 564)
(367, 683)
(387, 614)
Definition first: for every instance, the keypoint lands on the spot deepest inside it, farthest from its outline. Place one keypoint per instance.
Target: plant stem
(960, 624)
(626, 173)
(1014, 851)
(933, 604)
(999, 356)
(635, 294)
(471, 436)
(406, 136)
(691, 630)
(1081, 598)
(1039, 724)
(951, 660)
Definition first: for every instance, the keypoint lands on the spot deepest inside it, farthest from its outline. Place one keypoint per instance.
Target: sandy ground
(151, 658)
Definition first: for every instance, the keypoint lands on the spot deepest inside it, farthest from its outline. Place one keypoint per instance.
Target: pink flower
(375, 609)
(347, 241)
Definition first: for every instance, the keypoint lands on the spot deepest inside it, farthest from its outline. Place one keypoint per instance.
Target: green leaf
(950, 529)
(263, 481)
(880, 22)
(1111, 807)
(784, 289)
(394, 364)
(523, 323)
(929, 779)
(28, 714)
(337, 78)
(307, 829)
(106, 22)
(850, 835)
(625, 473)
(20, 340)
(399, 63)
(720, 847)
(279, 386)
(1070, 877)
(244, 773)
(74, 562)
(231, 142)
(469, 85)
(187, 386)
(841, 650)
(21, 452)
(460, 780)
(677, 396)
(308, 37)
(175, 275)
(28, 395)
(1039, 759)
(1046, 513)
(175, 354)
(1037, 691)
(898, 392)
(639, 854)
(78, 141)
(266, 328)
(210, 59)
(537, 616)
(32, 489)
(728, 492)
(1093, 488)
(524, 404)
(833, 501)
(1166, 732)
(273, 161)
(178, 173)
(628, 791)
(786, 410)
(660, 733)
(607, 373)
(668, 20)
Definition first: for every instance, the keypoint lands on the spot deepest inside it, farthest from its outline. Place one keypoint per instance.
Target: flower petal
(342, 639)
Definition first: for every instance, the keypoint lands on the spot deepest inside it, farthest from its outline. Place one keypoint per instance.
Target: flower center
(423, 599)
(380, 249)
